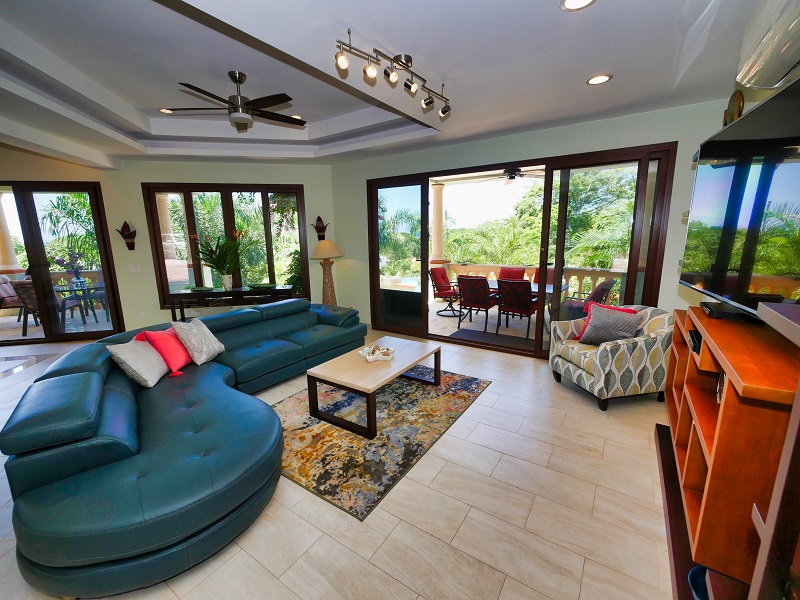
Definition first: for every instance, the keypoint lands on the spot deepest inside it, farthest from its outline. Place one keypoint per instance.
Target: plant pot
(227, 282)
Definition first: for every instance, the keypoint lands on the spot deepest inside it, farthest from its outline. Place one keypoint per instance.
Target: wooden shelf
(705, 410)
(725, 454)
(693, 501)
(722, 587)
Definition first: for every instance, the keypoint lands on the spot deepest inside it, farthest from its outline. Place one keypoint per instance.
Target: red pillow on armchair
(588, 309)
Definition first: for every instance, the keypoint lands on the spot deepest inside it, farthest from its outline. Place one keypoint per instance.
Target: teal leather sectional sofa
(118, 487)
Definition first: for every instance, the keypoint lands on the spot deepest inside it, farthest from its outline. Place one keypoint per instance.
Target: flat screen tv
(743, 239)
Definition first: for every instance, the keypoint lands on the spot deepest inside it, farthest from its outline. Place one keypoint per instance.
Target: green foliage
(19, 250)
(294, 273)
(68, 219)
(224, 254)
(398, 241)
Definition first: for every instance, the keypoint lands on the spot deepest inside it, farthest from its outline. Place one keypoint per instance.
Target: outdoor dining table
(85, 292)
(548, 288)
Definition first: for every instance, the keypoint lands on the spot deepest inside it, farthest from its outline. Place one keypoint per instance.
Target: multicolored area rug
(355, 473)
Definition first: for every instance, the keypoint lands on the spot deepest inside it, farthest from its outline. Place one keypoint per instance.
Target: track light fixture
(391, 74)
(370, 70)
(397, 62)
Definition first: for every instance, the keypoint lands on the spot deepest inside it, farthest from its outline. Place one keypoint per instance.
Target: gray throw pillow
(200, 343)
(606, 325)
(139, 361)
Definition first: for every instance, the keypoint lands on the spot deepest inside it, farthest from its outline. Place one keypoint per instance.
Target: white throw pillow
(139, 361)
(200, 343)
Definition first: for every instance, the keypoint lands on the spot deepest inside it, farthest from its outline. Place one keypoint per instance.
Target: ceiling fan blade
(206, 109)
(267, 101)
(241, 127)
(273, 116)
(205, 93)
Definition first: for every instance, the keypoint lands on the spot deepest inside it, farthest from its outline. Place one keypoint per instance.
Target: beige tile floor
(533, 494)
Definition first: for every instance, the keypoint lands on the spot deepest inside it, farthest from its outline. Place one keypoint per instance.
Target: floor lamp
(324, 252)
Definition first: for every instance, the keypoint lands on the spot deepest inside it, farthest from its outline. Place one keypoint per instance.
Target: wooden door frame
(373, 185)
(23, 192)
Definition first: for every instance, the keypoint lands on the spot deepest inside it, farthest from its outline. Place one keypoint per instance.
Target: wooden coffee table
(353, 373)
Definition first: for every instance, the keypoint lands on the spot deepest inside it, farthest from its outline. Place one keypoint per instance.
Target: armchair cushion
(607, 324)
(588, 310)
(627, 367)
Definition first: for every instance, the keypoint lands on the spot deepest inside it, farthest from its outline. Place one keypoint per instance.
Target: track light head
(444, 111)
(411, 85)
(370, 70)
(427, 102)
(341, 60)
(391, 74)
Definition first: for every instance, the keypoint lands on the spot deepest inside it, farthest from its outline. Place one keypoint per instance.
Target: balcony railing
(578, 280)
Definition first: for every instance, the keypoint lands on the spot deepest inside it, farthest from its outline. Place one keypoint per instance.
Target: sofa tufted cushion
(231, 319)
(320, 338)
(334, 315)
(282, 308)
(52, 412)
(261, 357)
(204, 450)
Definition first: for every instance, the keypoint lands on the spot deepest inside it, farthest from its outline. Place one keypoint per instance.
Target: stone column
(437, 225)
(8, 258)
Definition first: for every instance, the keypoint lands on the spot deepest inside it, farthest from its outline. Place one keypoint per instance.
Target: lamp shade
(326, 249)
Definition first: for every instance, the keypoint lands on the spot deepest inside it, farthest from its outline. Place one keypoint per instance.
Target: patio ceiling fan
(510, 175)
(241, 109)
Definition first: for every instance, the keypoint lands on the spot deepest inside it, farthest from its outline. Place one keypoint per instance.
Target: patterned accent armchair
(619, 368)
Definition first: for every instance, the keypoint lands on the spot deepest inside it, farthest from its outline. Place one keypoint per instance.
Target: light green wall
(338, 193)
(122, 196)
(688, 125)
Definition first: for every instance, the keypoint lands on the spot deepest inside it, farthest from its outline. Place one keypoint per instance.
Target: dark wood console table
(235, 297)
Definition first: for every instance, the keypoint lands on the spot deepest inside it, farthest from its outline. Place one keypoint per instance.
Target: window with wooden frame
(270, 215)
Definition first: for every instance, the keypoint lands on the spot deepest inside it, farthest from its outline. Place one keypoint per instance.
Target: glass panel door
(597, 239)
(209, 224)
(399, 252)
(58, 235)
(74, 283)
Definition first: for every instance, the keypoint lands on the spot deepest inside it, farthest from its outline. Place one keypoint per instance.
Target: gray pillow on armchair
(607, 325)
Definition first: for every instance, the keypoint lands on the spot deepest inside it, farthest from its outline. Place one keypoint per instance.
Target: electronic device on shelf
(695, 340)
(744, 210)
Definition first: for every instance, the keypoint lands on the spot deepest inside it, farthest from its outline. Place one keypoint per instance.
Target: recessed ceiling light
(598, 79)
(573, 5)
(297, 117)
(166, 111)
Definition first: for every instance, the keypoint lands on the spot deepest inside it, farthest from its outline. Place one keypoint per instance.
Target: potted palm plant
(224, 254)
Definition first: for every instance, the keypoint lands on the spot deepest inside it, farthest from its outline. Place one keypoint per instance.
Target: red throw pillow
(588, 309)
(170, 348)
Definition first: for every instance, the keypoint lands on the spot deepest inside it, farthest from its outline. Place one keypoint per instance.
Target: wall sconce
(320, 227)
(398, 62)
(128, 234)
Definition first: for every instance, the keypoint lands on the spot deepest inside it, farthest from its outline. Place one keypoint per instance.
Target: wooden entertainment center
(729, 403)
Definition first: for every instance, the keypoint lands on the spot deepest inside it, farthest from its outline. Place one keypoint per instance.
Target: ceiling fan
(241, 109)
(511, 174)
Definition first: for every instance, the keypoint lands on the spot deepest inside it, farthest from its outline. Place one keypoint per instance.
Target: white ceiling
(83, 80)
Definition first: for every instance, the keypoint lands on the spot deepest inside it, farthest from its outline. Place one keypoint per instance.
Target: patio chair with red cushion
(511, 273)
(475, 295)
(515, 299)
(446, 289)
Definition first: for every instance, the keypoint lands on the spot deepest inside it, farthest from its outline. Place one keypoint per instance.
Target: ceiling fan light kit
(402, 62)
(241, 109)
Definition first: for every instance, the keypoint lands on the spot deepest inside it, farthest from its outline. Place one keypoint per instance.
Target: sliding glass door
(61, 284)
(399, 255)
